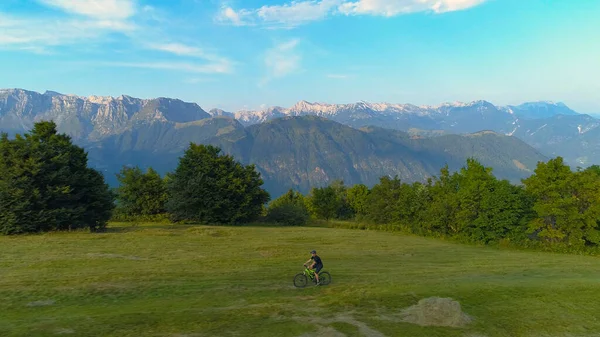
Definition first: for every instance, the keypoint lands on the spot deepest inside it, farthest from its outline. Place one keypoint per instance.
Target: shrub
(288, 214)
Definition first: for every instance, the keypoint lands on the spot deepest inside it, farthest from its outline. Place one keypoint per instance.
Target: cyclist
(317, 264)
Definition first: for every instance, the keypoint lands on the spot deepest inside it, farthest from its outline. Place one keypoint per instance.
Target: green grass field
(159, 280)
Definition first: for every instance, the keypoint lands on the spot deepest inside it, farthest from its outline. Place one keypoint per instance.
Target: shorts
(318, 269)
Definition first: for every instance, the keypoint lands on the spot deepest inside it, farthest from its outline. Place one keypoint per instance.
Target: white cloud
(99, 9)
(298, 12)
(286, 15)
(229, 14)
(282, 60)
(397, 7)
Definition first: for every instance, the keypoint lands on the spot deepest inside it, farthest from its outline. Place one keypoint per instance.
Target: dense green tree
(139, 193)
(291, 197)
(288, 215)
(358, 198)
(325, 202)
(553, 195)
(383, 204)
(45, 184)
(345, 211)
(504, 213)
(476, 183)
(289, 209)
(565, 203)
(416, 205)
(211, 187)
(408, 205)
(489, 209)
(440, 216)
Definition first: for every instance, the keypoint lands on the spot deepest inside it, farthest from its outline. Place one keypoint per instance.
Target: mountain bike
(301, 279)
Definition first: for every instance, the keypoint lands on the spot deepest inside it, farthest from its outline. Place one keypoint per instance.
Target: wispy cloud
(196, 80)
(338, 76)
(93, 21)
(22, 33)
(183, 50)
(218, 63)
(99, 9)
(86, 20)
(397, 7)
(283, 16)
(299, 12)
(210, 68)
(281, 60)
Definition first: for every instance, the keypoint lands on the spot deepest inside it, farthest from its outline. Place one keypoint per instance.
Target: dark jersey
(317, 260)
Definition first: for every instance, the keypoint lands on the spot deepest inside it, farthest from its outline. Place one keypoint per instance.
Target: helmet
(313, 251)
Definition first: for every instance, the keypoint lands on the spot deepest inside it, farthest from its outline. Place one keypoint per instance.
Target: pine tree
(45, 184)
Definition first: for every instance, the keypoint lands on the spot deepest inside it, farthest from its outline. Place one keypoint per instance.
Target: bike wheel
(324, 278)
(300, 280)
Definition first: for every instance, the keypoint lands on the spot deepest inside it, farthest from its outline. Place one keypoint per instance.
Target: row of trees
(46, 185)
(554, 205)
(207, 187)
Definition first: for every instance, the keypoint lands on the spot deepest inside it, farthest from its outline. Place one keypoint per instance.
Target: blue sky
(236, 54)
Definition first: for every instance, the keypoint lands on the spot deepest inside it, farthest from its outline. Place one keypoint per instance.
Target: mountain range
(311, 144)
(306, 151)
(455, 117)
(553, 128)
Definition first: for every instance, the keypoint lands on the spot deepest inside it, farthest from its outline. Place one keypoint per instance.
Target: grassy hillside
(224, 281)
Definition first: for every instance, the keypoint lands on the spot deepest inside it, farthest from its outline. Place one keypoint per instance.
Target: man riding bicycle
(316, 265)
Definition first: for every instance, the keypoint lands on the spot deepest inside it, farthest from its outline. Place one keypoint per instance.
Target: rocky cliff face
(90, 118)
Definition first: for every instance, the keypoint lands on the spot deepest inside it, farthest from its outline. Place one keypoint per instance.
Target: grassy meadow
(165, 280)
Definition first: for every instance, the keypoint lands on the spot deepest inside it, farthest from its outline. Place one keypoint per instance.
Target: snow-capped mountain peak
(452, 116)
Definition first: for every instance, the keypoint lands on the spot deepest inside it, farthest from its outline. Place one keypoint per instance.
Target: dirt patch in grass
(324, 331)
(44, 303)
(362, 328)
(209, 231)
(436, 311)
(346, 328)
